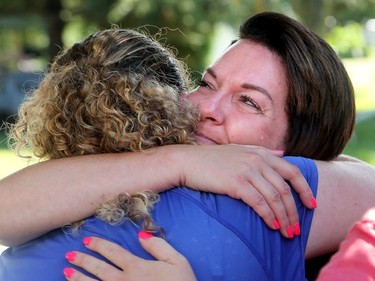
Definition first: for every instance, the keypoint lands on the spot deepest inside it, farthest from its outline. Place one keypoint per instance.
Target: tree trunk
(55, 27)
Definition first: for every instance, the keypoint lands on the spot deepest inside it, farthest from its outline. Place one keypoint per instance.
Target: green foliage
(348, 40)
(191, 23)
(37, 26)
(34, 26)
(361, 144)
(352, 10)
(3, 142)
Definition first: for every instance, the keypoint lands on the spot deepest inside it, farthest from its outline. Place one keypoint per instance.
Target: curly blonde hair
(116, 91)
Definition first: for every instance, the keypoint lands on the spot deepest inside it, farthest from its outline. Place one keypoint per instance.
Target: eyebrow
(244, 85)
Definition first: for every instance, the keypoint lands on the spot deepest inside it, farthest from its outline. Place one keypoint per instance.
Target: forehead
(248, 62)
(253, 58)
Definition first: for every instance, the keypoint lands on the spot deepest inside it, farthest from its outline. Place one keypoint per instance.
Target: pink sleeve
(355, 259)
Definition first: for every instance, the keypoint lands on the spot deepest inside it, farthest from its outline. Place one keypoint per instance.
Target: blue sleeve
(310, 172)
(308, 169)
(269, 256)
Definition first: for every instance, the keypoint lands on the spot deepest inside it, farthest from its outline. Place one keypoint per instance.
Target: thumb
(159, 248)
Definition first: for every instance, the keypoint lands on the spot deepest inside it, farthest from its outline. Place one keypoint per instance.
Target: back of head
(320, 103)
(127, 51)
(117, 90)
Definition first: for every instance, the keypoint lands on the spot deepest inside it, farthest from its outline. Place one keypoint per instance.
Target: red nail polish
(297, 229)
(86, 241)
(279, 151)
(145, 235)
(68, 272)
(70, 256)
(313, 202)
(290, 232)
(276, 224)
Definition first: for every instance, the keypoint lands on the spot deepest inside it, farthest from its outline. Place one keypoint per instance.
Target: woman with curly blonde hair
(116, 91)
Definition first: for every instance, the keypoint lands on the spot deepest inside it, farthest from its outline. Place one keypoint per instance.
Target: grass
(362, 143)
(362, 74)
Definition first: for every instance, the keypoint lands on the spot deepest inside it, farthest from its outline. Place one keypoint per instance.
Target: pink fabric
(355, 259)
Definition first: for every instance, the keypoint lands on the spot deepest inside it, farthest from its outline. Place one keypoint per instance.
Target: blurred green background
(33, 31)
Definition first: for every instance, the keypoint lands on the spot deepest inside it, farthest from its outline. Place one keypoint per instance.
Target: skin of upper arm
(53, 193)
(346, 190)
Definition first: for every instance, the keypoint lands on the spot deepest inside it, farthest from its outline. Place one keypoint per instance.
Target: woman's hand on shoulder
(170, 265)
(256, 175)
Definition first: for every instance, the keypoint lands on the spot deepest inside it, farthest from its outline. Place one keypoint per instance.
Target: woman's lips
(202, 139)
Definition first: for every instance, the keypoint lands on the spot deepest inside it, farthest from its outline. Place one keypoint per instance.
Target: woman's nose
(211, 109)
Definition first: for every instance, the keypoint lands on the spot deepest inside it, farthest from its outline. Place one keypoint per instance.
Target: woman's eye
(248, 101)
(203, 83)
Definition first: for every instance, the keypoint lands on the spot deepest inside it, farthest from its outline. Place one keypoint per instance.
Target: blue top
(222, 238)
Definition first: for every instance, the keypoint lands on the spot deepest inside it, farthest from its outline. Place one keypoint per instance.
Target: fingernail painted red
(276, 224)
(86, 241)
(313, 202)
(70, 256)
(68, 272)
(289, 230)
(297, 229)
(145, 235)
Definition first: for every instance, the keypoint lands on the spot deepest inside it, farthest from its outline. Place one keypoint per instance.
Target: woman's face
(241, 98)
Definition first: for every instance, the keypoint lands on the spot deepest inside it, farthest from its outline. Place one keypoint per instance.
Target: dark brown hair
(320, 103)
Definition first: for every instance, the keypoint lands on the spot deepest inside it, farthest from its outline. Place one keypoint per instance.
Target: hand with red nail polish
(170, 265)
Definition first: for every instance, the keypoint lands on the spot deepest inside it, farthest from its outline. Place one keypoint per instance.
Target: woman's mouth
(202, 139)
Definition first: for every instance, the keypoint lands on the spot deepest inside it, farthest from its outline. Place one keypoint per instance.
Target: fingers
(282, 196)
(277, 195)
(160, 249)
(93, 265)
(271, 206)
(300, 185)
(293, 175)
(111, 251)
(99, 268)
(74, 275)
(270, 195)
(164, 252)
(170, 265)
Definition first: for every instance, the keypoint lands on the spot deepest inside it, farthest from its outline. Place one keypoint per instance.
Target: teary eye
(248, 101)
(203, 83)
